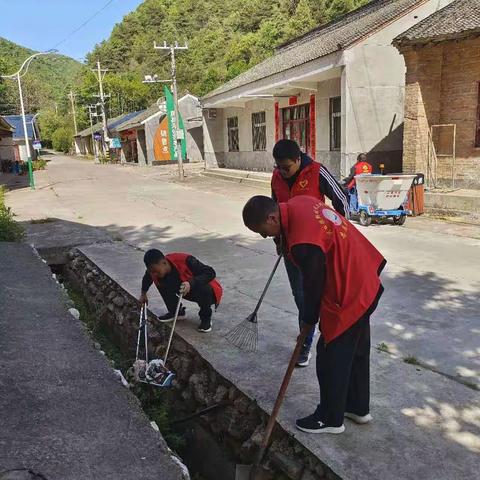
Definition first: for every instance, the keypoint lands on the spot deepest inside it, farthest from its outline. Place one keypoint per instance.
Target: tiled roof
(460, 18)
(16, 121)
(137, 120)
(324, 40)
(111, 123)
(115, 124)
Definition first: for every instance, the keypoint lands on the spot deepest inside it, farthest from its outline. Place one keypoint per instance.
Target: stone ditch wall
(237, 427)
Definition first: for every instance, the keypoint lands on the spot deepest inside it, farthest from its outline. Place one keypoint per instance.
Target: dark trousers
(296, 284)
(202, 295)
(343, 370)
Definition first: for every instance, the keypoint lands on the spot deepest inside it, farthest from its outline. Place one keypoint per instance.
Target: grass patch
(10, 230)
(411, 360)
(383, 347)
(39, 164)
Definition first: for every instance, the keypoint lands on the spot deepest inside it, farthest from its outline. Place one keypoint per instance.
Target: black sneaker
(304, 357)
(205, 326)
(168, 317)
(312, 424)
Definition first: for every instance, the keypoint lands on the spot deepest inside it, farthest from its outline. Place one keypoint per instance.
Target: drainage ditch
(205, 419)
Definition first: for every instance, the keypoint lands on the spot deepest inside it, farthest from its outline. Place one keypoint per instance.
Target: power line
(86, 22)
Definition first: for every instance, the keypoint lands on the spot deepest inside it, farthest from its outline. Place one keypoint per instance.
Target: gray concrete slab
(62, 412)
(426, 426)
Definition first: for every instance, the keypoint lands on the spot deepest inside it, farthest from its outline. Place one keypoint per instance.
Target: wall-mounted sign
(115, 143)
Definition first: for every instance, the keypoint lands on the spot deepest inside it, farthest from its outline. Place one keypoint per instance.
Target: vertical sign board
(161, 142)
(277, 122)
(172, 132)
(313, 131)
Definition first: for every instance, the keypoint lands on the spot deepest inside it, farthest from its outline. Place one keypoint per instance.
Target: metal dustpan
(154, 372)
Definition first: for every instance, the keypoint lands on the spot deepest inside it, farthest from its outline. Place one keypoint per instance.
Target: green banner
(171, 126)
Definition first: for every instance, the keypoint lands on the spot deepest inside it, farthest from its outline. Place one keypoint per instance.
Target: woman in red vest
(182, 273)
(297, 174)
(341, 277)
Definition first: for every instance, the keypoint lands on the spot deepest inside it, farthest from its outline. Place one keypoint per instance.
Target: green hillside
(46, 83)
(225, 37)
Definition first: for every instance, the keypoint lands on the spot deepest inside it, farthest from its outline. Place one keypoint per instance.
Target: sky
(42, 24)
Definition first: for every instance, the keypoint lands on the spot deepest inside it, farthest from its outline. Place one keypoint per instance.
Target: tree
(62, 139)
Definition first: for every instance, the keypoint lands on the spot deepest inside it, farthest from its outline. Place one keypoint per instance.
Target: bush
(39, 164)
(62, 139)
(10, 230)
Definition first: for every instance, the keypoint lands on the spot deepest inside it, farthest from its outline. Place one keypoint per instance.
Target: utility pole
(100, 75)
(91, 110)
(72, 96)
(172, 48)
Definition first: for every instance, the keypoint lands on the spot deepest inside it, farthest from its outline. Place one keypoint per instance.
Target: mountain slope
(225, 37)
(46, 83)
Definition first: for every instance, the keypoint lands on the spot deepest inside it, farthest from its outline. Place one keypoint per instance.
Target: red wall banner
(277, 122)
(313, 131)
(293, 100)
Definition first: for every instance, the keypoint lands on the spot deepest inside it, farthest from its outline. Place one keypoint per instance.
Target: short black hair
(286, 150)
(257, 209)
(360, 155)
(152, 257)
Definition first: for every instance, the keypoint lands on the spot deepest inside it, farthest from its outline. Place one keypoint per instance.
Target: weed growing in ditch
(155, 403)
(98, 331)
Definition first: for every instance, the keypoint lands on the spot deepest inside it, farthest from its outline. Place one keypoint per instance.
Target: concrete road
(430, 310)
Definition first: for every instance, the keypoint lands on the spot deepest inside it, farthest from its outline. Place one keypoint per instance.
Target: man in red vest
(182, 273)
(362, 167)
(341, 277)
(297, 174)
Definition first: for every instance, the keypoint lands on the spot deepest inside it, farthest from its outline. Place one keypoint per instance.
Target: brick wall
(442, 88)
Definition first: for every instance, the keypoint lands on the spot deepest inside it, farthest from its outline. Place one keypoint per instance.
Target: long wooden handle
(269, 281)
(283, 390)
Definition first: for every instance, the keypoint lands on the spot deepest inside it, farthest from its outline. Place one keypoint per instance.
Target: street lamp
(17, 76)
(154, 79)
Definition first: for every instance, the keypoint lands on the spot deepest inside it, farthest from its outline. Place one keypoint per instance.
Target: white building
(338, 90)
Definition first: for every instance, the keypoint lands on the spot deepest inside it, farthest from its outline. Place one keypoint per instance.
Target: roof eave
(401, 43)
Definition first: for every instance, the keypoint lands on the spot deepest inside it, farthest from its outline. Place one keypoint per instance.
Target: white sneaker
(361, 420)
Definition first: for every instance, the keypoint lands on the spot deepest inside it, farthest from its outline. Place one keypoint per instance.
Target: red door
(296, 125)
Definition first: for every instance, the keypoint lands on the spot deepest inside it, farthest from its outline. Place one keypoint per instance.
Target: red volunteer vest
(352, 262)
(307, 183)
(361, 168)
(179, 261)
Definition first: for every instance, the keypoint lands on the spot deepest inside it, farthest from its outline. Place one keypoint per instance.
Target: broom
(245, 335)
